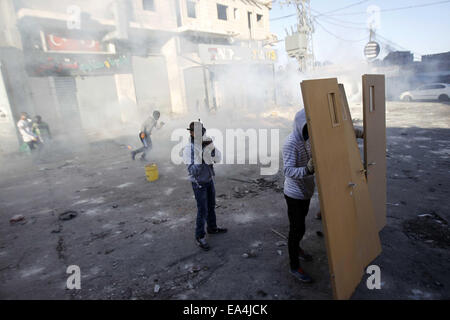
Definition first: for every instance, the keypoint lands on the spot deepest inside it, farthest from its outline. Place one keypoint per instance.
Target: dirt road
(96, 210)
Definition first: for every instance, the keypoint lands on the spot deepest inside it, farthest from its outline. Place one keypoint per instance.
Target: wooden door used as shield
(340, 189)
(374, 113)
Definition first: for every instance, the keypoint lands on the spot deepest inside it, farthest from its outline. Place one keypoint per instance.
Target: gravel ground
(94, 208)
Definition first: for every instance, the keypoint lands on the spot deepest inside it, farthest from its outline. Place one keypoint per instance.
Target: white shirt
(148, 125)
(25, 130)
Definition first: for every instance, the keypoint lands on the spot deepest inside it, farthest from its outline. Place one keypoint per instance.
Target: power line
(320, 13)
(328, 18)
(283, 17)
(394, 44)
(336, 36)
(331, 16)
(338, 20)
(346, 7)
(395, 9)
(341, 25)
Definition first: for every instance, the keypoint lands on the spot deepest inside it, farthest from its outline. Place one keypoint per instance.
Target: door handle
(351, 185)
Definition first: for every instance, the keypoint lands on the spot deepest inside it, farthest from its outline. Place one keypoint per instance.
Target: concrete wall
(175, 76)
(16, 80)
(195, 90)
(237, 21)
(162, 18)
(98, 102)
(9, 139)
(151, 84)
(46, 103)
(9, 34)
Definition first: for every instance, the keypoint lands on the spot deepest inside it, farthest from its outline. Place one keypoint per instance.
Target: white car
(432, 91)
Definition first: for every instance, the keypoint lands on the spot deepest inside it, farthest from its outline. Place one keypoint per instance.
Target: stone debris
(156, 289)
(281, 243)
(17, 218)
(261, 293)
(195, 269)
(68, 215)
(430, 228)
(251, 254)
(158, 221)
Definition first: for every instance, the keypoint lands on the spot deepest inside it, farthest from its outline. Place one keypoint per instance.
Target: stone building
(85, 65)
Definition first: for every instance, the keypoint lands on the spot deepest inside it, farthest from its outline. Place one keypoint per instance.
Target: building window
(259, 20)
(148, 5)
(222, 12)
(190, 6)
(236, 14)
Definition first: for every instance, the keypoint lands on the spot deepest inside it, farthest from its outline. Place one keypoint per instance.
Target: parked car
(432, 91)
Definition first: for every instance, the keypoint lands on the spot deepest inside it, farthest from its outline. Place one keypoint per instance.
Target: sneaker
(217, 230)
(201, 242)
(133, 155)
(301, 275)
(302, 255)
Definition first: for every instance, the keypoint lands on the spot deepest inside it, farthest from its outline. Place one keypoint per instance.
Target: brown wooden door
(369, 240)
(374, 112)
(351, 235)
(323, 108)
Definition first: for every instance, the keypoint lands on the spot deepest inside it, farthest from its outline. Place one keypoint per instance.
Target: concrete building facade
(84, 65)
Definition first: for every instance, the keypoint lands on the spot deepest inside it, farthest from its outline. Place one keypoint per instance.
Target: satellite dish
(371, 50)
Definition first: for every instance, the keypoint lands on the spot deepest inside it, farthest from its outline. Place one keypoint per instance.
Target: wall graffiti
(108, 63)
(78, 65)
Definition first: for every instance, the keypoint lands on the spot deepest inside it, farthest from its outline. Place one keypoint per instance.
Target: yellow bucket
(151, 171)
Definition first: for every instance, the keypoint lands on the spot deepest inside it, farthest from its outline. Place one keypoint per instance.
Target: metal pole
(274, 84)
(205, 82)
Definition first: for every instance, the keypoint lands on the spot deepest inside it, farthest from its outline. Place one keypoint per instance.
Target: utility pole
(299, 43)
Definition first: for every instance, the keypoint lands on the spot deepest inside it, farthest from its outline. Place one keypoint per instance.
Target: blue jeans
(206, 202)
(147, 146)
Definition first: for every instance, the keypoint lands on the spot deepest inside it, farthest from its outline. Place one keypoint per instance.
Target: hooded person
(199, 157)
(299, 188)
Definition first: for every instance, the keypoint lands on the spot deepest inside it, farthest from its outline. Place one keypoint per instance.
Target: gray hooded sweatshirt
(298, 184)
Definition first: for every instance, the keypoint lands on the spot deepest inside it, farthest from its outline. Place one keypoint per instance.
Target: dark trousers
(297, 211)
(32, 144)
(205, 194)
(147, 146)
